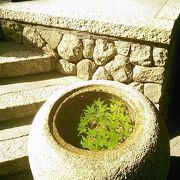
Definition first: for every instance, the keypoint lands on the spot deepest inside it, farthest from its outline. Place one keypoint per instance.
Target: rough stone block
(31, 37)
(51, 36)
(88, 48)
(175, 146)
(153, 91)
(160, 56)
(123, 74)
(51, 52)
(85, 69)
(120, 69)
(102, 74)
(65, 67)
(70, 48)
(118, 62)
(122, 47)
(103, 51)
(148, 74)
(141, 55)
(12, 30)
(138, 85)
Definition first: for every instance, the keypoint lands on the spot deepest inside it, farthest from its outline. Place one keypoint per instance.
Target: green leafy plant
(103, 125)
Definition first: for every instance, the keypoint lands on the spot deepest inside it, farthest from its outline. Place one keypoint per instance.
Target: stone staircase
(27, 79)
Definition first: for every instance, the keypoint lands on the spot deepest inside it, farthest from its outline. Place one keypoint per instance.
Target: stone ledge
(130, 19)
(15, 128)
(18, 60)
(20, 99)
(13, 145)
(14, 156)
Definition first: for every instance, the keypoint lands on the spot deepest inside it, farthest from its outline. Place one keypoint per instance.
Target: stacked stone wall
(88, 56)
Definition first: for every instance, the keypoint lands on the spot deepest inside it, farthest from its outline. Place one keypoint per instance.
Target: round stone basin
(54, 151)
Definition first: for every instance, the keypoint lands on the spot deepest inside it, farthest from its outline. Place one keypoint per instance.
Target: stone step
(23, 96)
(13, 145)
(19, 60)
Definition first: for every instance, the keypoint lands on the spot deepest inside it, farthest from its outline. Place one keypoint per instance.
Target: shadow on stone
(20, 0)
(173, 121)
(26, 175)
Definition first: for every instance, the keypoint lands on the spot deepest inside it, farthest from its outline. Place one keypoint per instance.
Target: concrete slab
(17, 60)
(116, 17)
(22, 99)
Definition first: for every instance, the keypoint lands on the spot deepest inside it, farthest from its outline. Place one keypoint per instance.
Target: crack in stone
(14, 137)
(161, 8)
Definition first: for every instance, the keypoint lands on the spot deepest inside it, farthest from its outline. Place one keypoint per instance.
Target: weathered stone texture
(32, 37)
(85, 69)
(141, 55)
(91, 57)
(148, 74)
(23, 99)
(12, 30)
(48, 50)
(102, 74)
(118, 62)
(138, 85)
(103, 51)
(88, 48)
(120, 69)
(13, 157)
(51, 36)
(153, 91)
(160, 56)
(123, 74)
(175, 146)
(122, 47)
(19, 60)
(70, 48)
(65, 67)
(145, 156)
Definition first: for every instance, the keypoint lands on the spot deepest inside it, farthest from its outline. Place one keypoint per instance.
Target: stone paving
(147, 20)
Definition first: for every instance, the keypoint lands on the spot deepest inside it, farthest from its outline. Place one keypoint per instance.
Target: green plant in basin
(104, 124)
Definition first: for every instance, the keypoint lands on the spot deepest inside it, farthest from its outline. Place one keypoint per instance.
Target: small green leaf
(104, 124)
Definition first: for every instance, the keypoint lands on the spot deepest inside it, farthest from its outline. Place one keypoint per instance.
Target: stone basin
(144, 155)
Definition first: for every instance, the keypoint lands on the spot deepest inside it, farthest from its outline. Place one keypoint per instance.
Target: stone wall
(140, 64)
